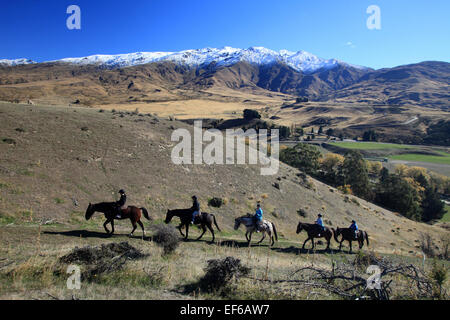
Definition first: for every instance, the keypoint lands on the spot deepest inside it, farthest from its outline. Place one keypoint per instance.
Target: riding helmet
(121, 191)
(320, 215)
(194, 197)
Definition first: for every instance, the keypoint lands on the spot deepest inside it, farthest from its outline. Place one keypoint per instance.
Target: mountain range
(159, 76)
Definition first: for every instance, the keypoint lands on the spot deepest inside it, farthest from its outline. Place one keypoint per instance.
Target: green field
(444, 159)
(446, 217)
(369, 145)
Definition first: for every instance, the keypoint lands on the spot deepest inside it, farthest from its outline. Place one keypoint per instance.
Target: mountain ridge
(300, 61)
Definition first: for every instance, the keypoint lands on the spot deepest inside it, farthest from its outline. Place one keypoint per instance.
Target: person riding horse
(354, 227)
(319, 223)
(195, 208)
(258, 217)
(120, 205)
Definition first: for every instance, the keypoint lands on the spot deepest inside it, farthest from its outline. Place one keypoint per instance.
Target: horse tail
(367, 237)
(146, 213)
(335, 235)
(275, 231)
(215, 222)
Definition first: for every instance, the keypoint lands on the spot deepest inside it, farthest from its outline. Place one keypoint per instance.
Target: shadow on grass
(241, 244)
(297, 250)
(92, 234)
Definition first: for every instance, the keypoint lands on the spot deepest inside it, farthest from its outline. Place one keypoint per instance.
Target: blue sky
(411, 31)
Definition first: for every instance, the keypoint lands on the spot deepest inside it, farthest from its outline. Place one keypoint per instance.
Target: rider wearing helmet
(195, 208)
(120, 205)
(354, 227)
(258, 217)
(319, 223)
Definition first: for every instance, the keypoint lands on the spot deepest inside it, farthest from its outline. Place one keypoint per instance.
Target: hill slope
(55, 160)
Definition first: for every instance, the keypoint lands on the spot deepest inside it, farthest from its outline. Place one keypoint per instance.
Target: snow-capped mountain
(226, 56)
(15, 62)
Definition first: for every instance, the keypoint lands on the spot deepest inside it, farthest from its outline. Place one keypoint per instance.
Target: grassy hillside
(55, 160)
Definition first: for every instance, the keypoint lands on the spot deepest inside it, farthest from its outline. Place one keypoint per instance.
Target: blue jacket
(319, 222)
(259, 214)
(354, 227)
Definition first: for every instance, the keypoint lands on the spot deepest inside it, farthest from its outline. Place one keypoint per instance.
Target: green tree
(330, 132)
(395, 193)
(250, 114)
(355, 173)
(432, 206)
(303, 156)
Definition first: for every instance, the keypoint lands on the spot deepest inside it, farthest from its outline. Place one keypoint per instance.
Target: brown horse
(349, 235)
(314, 232)
(205, 220)
(109, 209)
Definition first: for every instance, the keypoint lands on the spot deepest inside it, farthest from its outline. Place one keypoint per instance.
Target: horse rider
(120, 205)
(195, 208)
(258, 217)
(319, 223)
(354, 227)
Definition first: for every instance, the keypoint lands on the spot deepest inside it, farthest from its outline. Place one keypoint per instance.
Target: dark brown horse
(314, 231)
(109, 209)
(349, 235)
(205, 220)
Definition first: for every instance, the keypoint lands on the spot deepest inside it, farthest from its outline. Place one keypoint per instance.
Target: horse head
(89, 211)
(299, 227)
(169, 216)
(337, 232)
(237, 223)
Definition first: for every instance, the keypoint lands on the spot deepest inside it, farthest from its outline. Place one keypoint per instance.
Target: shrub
(166, 236)
(220, 272)
(302, 213)
(426, 245)
(215, 202)
(250, 114)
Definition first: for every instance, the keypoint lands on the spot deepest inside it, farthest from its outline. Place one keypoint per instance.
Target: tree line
(412, 191)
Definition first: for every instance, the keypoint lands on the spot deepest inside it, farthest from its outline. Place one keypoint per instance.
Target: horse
(109, 209)
(349, 235)
(249, 223)
(205, 220)
(314, 232)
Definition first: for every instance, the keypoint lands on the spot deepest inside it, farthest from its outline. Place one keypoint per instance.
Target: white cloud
(350, 44)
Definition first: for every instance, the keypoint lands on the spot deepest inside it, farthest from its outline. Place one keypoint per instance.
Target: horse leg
(134, 228)
(112, 226)
(263, 237)
(304, 243)
(204, 230)
(246, 236)
(250, 238)
(187, 232)
(104, 226)
(179, 229)
(328, 243)
(212, 232)
(340, 244)
(350, 242)
(142, 227)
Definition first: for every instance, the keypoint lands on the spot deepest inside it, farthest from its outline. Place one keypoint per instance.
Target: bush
(426, 245)
(220, 272)
(100, 260)
(215, 202)
(250, 114)
(302, 213)
(166, 236)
